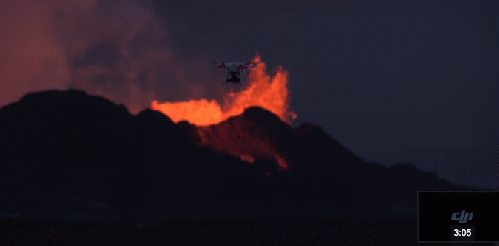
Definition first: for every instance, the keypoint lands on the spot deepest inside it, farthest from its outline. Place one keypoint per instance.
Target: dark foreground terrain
(80, 170)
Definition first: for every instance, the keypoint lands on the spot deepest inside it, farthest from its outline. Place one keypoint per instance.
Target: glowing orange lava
(268, 92)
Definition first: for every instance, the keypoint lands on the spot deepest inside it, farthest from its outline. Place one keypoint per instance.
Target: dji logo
(463, 218)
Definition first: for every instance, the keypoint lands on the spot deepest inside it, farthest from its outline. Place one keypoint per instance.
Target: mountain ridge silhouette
(67, 143)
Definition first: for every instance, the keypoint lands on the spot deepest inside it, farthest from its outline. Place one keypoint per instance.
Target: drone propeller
(220, 65)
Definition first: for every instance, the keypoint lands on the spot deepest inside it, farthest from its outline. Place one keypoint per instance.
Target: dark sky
(392, 80)
(388, 79)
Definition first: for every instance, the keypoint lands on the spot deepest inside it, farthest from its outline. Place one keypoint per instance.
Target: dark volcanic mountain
(67, 155)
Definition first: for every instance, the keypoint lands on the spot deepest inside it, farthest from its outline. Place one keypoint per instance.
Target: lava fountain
(268, 92)
(265, 91)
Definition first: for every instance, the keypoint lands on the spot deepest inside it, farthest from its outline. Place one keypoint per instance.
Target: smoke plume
(115, 49)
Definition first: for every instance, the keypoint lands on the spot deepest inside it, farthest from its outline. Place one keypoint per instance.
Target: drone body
(235, 69)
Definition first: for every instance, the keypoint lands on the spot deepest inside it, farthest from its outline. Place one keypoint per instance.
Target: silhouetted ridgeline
(57, 145)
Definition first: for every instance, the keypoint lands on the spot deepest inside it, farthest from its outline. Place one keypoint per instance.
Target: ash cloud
(115, 49)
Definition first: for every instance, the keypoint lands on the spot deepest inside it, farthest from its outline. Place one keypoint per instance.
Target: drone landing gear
(233, 78)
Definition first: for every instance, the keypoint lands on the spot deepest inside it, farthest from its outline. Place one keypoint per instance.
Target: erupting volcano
(265, 91)
(268, 92)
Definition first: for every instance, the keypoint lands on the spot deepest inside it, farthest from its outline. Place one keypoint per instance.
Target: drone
(235, 69)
